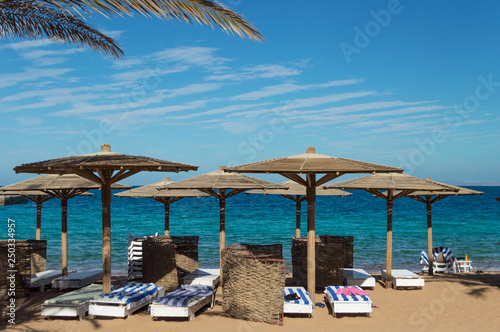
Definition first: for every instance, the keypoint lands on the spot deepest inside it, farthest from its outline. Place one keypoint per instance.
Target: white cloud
(30, 75)
(191, 55)
(254, 72)
(274, 90)
(28, 121)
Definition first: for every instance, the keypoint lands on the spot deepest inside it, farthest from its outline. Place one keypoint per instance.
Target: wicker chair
(332, 254)
(254, 280)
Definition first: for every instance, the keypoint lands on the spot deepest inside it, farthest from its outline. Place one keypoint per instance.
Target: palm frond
(37, 20)
(204, 12)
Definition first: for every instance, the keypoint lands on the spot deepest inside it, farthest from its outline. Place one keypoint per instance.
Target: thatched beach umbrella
(63, 187)
(166, 197)
(104, 168)
(222, 185)
(37, 196)
(297, 193)
(431, 197)
(311, 164)
(390, 186)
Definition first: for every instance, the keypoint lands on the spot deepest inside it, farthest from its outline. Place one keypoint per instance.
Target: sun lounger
(303, 305)
(207, 277)
(348, 304)
(123, 301)
(72, 304)
(44, 278)
(358, 277)
(404, 278)
(183, 302)
(77, 279)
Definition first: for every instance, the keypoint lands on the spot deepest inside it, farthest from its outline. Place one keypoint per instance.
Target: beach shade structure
(37, 196)
(431, 197)
(311, 165)
(297, 193)
(63, 187)
(222, 185)
(166, 197)
(391, 186)
(104, 168)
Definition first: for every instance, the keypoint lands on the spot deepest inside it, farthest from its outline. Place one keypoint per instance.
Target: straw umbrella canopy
(431, 197)
(311, 164)
(37, 196)
(63, 187)
(391, 186)
(297, 193)
(104, 168)
(222, 185)
(166, 197)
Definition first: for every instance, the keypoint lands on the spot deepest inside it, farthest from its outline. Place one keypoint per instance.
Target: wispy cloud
(255, 72)
(31, 75)
(274, 90)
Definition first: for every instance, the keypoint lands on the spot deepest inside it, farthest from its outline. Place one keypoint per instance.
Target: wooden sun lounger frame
(168, 311)
(77, 279)
(65, 310)
(41, 282)
(350, 307)
(298, 308)
(109, 309)
(358, 277)
(404, 278)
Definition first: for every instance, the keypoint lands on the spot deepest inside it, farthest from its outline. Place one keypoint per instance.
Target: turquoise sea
(468, 225)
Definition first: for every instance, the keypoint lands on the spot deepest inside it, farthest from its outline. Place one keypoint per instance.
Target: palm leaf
(37, 20)
(205, 12)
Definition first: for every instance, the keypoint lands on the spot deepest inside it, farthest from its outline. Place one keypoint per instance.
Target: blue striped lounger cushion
(304, 296)
(185, 296)
(132, 294)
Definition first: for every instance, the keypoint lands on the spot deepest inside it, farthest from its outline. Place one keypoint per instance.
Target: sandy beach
(448, 303)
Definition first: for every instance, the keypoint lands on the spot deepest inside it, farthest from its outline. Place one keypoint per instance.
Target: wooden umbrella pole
(311, 244)
(167, 217)
(390, 203)
(64, 235)
(106, 237)
(297, 221)
(222, 233)
(222, 213)
(38, 220)
(429, 236)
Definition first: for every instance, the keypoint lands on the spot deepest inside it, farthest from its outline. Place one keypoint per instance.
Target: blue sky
(410, 83)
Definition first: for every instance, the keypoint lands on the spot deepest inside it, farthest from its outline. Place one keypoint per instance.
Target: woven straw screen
(332, 254)
(186, 254)
(38, 255)
(254, 279)
(158, 262)
(22, 267)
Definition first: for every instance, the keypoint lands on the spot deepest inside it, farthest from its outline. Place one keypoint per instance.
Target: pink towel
(350, 291)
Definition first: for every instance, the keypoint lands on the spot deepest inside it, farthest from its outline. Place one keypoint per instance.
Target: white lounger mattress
(77, 279)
